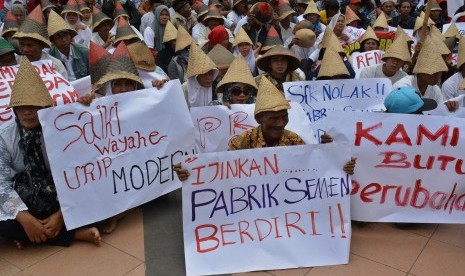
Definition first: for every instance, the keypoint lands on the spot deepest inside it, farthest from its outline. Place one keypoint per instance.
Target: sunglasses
(237, 91)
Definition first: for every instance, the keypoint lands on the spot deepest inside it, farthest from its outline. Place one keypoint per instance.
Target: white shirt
(59, 67)
(376, 71)
(68, 61)
(286, 33)
(99, 41)
(432, 92)
(196, 30)
(83, 37)
(149, 37)
(450, 88)
(234, 17)
(146, 21)
(241, 23)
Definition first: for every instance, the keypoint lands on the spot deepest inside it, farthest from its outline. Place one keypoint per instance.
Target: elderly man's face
(273, 124)
(27, 116)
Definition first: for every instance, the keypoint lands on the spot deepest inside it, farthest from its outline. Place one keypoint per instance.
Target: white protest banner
(269, 208)
(453, 6)
(410, 168)
(320, 98)
(148, 77)
(118, 152)
(60, 89)
(365, 59)
(82, 86)
(215, 126)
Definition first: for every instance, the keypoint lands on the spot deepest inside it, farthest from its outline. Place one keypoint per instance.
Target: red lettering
(259, 229)
(292, 225)
(403, 139)
(368, 190)
(364, 133)
(424, 132)
(223, 230)
(416, 194)
(243, 232)
(210, 238)
(390, 160)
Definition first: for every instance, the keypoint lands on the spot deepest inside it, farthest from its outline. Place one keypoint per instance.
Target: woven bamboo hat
(419, 22)
(285, 10)
(183, 39)
(435, 6)
(238, 72)
(22, 94)
(350, 15)
(9, 23)
(124, 31)
(201, 10)
(199, 63)
(331, 41)
(398, 49)
(324, 40)
(221, 56)
(83, 6)
(170, 32)
(305, 38)
(437, 33)
(400, 32)
(46, 4)
(119, 10)
(332, 65)
(98, 63)
(236, 2)
(263, 62)
(452, 31)
(57, 24)
(141, 56)
(381, 22)
(272, 39)
(429, 60)
(213, 12)
(440, 45)
(369, 34)
(269, 98)
(98, 17)
(120, 66)
(262, 12)
(34, 27)
(72, 6)
(241, 37)
(311, 8)
(461, 52)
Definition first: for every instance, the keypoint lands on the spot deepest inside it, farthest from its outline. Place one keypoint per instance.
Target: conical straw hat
(22, 94)
(72, 6)
(311, 8)
(334, 43)
(221, 56)
(183, 39)
(98, 63)
(452, 31)
(263, 62)
(124, 31)
(98, 17)
(57, 24)
(305, 38)
(120, 66)
(170, 32)
(269, 98)
(440, 45)
(400, 32)
(83, 6)
(34, 27)
(9, 24)
(332, 65)
(201, 10)
(435, 6)
(398, 49)
(381, 22)
(350, 15)
(369, 34)
(119, 10)
(272, 39)
(242, 37)
(429, 60)
(213, 12)
(419, 22)
(199, 63)
(142, 57)
(238, 72)
(46, 4)
(437, 33)
(326, 36)
(461, 52)
(285, 10)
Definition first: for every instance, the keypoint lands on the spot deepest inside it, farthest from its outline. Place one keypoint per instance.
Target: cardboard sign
(270, 208)
(60, 89)
(215, 126)
(365, 59)
(320, 98)
(410, 168)
(118, 152)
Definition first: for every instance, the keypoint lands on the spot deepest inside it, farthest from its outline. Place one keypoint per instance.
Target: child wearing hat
(29, 216)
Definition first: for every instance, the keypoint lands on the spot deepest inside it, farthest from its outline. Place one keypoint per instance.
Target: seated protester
(401, 32)
(381, 24)
(238, 85)
(330, 9)
(273, 38)
(218, 36)
(148, 18)
(10, 27)
(201, 73)
(345, 34)
(167, 53)
(388, 9)
(74, 56)
(239, 11)
(435, 15)
(31, 214)
(407, 100)
(144, 61)
(48, 6)
(101, 27)
(33, 38)
(332, 67)
(183, 15)
(98, 59)
(71, 13)
(302, 44)
(286, 14)
(302, 5)
(272, 116)
(213, 20)
(257, 23)
(243, 46)
(403, 19)
(178, 66)
(125, 33)
(352, 19)
(86, 11)
(394, 58)
(360, 9)
(369, 41)
(451, 88)
(153, 34)
(120, 12)
(199, 27)
(313, 15)
(279, 65)
(7, 53)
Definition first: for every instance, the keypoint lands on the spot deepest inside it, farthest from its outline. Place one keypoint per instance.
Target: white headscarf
(250, 59)
(198, 95)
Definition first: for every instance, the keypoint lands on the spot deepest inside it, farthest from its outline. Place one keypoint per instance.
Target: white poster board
(365, 59)
(116, 153)
(269, 208)
(410, 168)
